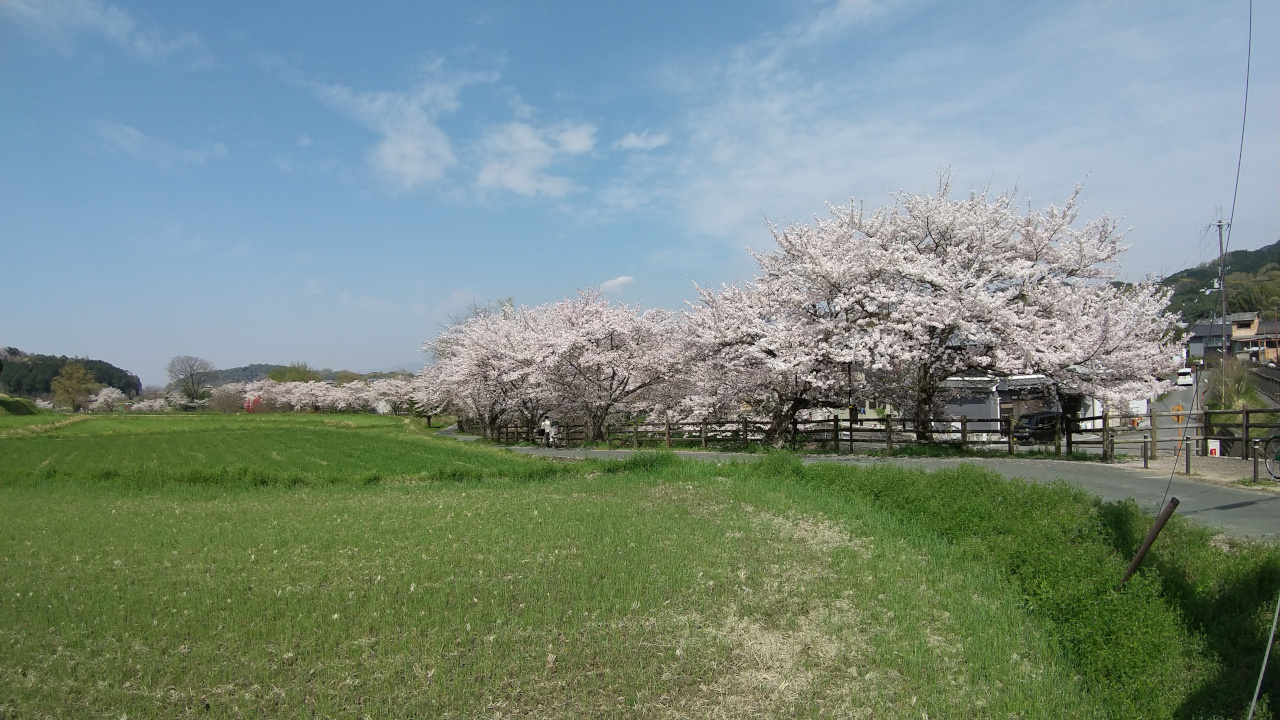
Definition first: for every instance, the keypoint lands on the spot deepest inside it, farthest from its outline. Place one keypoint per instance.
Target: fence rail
(1150, 434)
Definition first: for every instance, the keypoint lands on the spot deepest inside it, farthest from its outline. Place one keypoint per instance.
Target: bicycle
(1271, 455)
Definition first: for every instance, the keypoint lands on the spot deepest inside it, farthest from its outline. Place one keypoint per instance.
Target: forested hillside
(31, 375)
(1253, 285)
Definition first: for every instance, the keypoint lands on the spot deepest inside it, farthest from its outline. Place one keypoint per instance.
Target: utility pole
(1222, 295)
(1222, 270)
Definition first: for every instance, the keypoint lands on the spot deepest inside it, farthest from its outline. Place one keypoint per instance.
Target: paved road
(1238, 512)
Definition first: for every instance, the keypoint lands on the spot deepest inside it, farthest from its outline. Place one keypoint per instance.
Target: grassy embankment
(168, 566)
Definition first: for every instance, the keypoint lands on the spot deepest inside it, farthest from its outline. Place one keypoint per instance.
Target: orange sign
(1177, 410)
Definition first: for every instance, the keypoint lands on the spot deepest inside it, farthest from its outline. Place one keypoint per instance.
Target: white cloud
(616, 284)
(303, 141)
(643, 141)
(801, 117)
(413, 150)
(128, 139)
(516, 157)
(62, 20)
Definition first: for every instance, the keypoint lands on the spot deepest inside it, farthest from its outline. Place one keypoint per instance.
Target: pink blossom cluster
(152, 405)
(582, 357)
(880, 304)
(107, 399)
(389, 395)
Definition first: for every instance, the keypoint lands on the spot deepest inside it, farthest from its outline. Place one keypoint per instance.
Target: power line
(1244, 117)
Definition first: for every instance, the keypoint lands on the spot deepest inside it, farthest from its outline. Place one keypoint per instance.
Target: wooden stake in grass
(1151, 538)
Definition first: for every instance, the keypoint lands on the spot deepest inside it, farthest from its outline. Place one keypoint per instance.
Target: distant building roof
(972, 383)
(1206, 329)
(1026, 381)
(1241, 317)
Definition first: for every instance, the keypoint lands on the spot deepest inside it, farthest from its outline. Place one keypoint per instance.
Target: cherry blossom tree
(601, 357)
(477, 373)
(107, 399)
(152, 405)
(901, 297)
(747, 356)
(581, 358)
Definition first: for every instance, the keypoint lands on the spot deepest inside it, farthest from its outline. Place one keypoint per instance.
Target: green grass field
(349, 566)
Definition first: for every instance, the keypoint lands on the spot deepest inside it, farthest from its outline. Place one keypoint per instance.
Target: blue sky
(328, 182)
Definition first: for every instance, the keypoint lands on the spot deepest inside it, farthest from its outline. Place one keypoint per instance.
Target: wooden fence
(1151, 434)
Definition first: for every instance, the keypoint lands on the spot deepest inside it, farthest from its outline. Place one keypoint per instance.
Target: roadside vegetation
(307, 565)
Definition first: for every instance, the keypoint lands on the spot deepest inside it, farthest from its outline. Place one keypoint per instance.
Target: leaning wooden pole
(1151, 537)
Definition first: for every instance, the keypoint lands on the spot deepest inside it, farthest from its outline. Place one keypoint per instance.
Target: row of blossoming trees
(381, 395)
(880, 304)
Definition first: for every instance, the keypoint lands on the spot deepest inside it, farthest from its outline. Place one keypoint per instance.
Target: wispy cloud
(610, 287)
(62, 20)
(414, 150)
(517, 156)
(454, 305)
(368, 304)
(643, 141)
(130, 140)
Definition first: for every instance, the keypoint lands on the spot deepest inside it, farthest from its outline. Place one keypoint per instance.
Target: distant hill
(245, 373)
(30, 375)
(1253, 285)
(260, 371)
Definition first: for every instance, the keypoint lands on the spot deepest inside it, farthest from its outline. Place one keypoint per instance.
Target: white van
(1186, 376)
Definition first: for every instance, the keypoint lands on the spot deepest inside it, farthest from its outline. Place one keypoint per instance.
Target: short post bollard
(1186, 455)
(1145, 453)
(1255, 461)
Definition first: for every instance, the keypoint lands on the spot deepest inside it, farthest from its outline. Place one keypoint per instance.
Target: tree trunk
(926, 393)
(775, 435)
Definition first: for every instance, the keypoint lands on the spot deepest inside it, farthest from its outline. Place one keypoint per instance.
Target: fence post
(1187, 455)
(635, 435)
(1106, 435)
(1244, 434)
(1145, 453)
(1255, 461)
(704, 433)
(964, 432)
(795, 433)
(667, 432)
(1009, 426)
(1057, 434)
(1206, 426)
(835, 433)
(1071, 426)
(888, 430)
(745, 441)
(1155, 435)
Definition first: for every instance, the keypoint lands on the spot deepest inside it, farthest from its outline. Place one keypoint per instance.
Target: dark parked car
(1036, 427)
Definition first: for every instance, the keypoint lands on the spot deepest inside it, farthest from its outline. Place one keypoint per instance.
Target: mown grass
(368, 568)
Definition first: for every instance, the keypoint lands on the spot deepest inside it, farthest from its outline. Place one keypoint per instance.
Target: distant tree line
(294, 372)
(32, 375)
